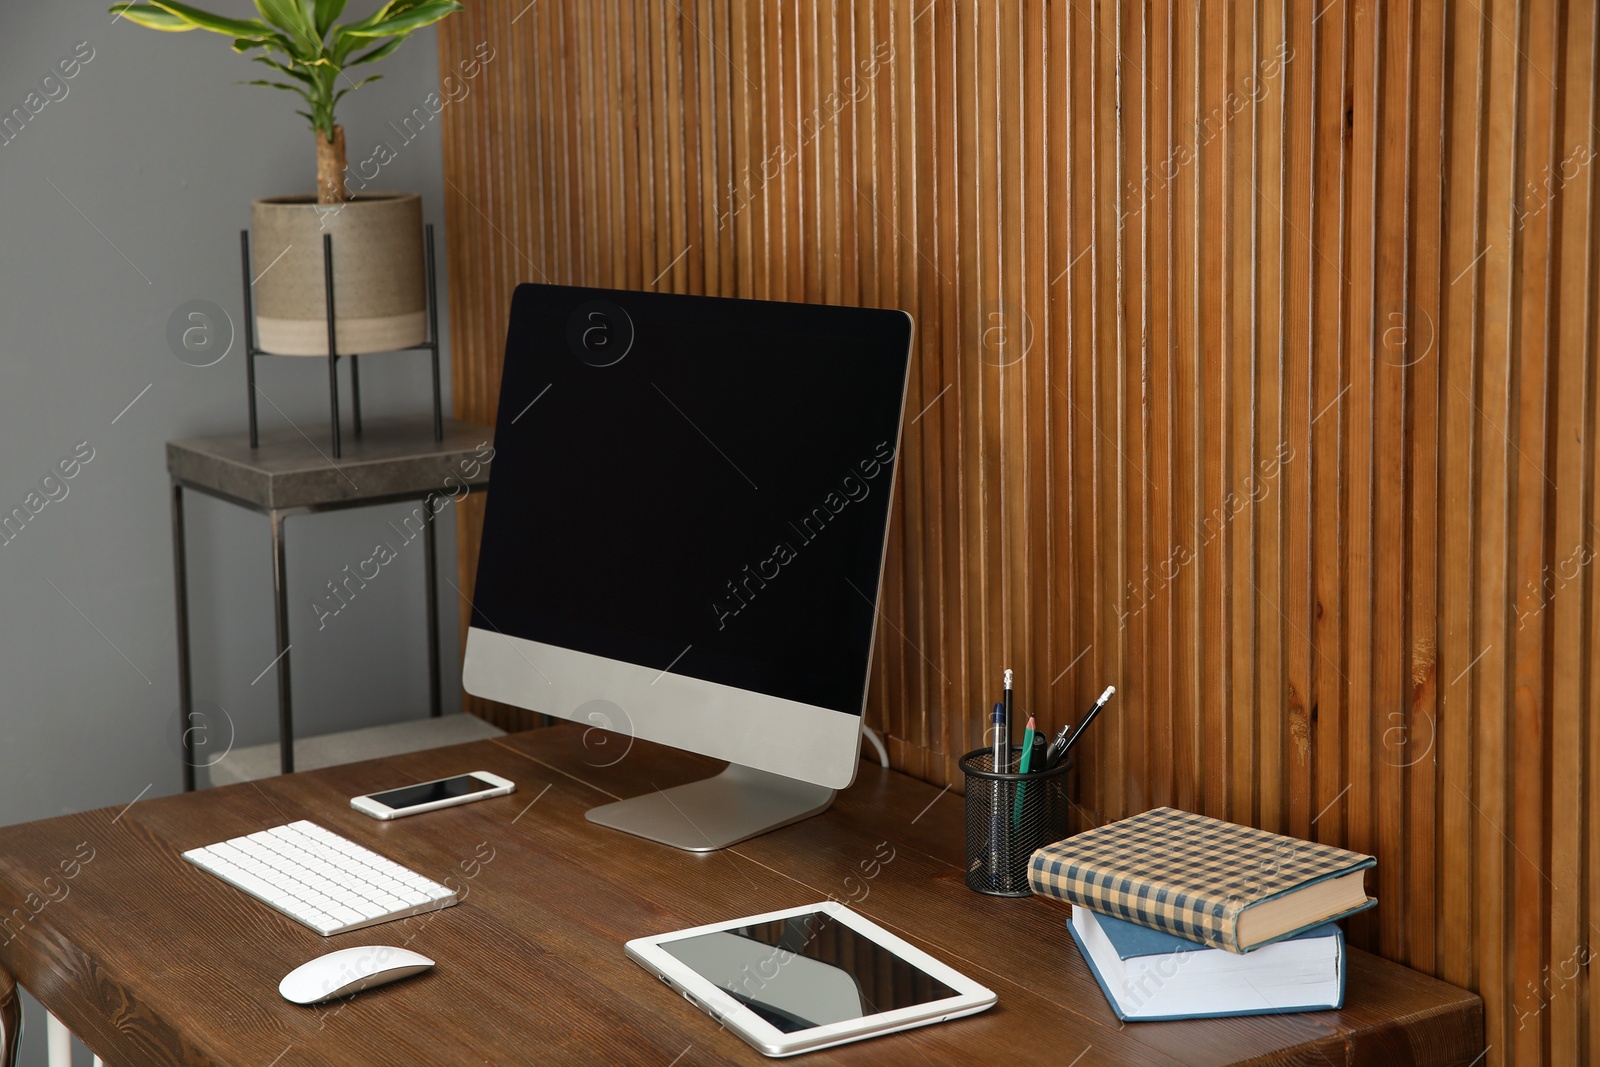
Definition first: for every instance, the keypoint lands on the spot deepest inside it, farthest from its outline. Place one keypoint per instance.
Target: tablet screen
(807, 970)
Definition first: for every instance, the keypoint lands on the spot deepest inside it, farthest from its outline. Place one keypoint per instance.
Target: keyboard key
(258, 887)
(368, 909)
(227, 851)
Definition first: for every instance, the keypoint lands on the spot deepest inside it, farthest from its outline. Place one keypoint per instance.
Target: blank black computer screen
(696, 483)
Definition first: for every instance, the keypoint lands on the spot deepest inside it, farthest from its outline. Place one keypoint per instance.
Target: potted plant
(377, 237)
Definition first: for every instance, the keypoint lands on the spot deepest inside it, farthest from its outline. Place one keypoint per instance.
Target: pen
(1001, 826)
(996, 737)
(1005, 747)
(1058, 744)
(995, 740)
(1105, 698)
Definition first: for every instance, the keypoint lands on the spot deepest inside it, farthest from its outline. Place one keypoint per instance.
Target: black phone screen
(410, 796)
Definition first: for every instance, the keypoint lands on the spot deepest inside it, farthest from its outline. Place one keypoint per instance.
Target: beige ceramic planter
(379, 295)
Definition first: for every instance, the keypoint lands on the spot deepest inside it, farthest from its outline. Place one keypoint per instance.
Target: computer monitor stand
(716, 812)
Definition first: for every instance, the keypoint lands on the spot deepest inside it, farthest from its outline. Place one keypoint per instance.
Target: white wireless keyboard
(318, 878)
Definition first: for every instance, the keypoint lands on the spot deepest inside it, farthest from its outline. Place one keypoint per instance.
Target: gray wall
(154, 155)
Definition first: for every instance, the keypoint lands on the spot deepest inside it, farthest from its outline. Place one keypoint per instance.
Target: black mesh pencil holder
(1009, 815)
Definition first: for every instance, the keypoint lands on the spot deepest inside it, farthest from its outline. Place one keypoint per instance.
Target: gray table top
(394, 458)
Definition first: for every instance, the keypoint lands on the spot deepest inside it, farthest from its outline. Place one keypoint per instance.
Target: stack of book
(1182, 916)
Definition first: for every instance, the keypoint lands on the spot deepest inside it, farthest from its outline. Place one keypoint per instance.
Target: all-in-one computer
(684, 538)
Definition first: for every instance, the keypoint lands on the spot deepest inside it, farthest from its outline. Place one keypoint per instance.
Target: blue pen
(995, 740)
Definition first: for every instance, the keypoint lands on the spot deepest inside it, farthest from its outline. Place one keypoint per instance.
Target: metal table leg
(282, 645)
(180, 584)
(433, 339)
(432, 572)
(333, 338)
(355, 394)
(280, 600)
(249, 336)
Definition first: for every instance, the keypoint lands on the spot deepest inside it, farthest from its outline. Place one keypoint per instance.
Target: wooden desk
(151, 960)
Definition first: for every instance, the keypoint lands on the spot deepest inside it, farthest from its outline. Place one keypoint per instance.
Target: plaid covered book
(1233, 887)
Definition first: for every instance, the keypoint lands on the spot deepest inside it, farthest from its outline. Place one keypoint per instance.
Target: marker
(1066, 747)
(1027, 745)
(1027, 760)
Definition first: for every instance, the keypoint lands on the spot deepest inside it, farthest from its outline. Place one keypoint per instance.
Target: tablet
(808, 977)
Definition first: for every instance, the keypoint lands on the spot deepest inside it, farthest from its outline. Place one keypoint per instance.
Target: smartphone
(428, 796)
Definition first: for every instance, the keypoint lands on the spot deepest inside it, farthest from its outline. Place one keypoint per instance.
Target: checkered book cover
(1183, 873)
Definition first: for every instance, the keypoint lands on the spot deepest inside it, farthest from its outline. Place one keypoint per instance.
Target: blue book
(1148, 974)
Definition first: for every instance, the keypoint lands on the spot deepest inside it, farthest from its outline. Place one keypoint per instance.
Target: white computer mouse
(350, 970)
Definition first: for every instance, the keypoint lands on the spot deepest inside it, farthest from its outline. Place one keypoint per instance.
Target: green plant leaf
(343, 45)
(340, 94)
(344, 39)
(152, 17)
(349, 38)
(275, 42)
(287, 15)
(393, 7)
(204, 20)
(327, 11)
(298, 75)
(280, 85)
(301, 29)
(377, 53)
(416, 18)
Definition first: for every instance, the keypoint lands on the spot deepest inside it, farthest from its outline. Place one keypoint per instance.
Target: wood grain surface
(10, 1019)
(1255, 373)
(151, 960)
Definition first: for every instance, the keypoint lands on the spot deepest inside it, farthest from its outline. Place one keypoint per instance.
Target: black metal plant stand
(286, 476)
(251, 351)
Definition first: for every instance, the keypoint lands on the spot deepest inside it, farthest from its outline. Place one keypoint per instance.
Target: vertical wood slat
(1292, 451)
(1256, 373)
(1532, 356)
(1420, 366)
(1572, 621)
(1496, 500)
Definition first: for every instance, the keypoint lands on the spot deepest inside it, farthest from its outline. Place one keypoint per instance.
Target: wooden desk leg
(10, 1019)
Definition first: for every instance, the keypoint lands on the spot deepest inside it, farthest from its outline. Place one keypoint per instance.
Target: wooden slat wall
(1255, 373)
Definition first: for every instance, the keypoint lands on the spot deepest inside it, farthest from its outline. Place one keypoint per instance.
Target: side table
(288, 474)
